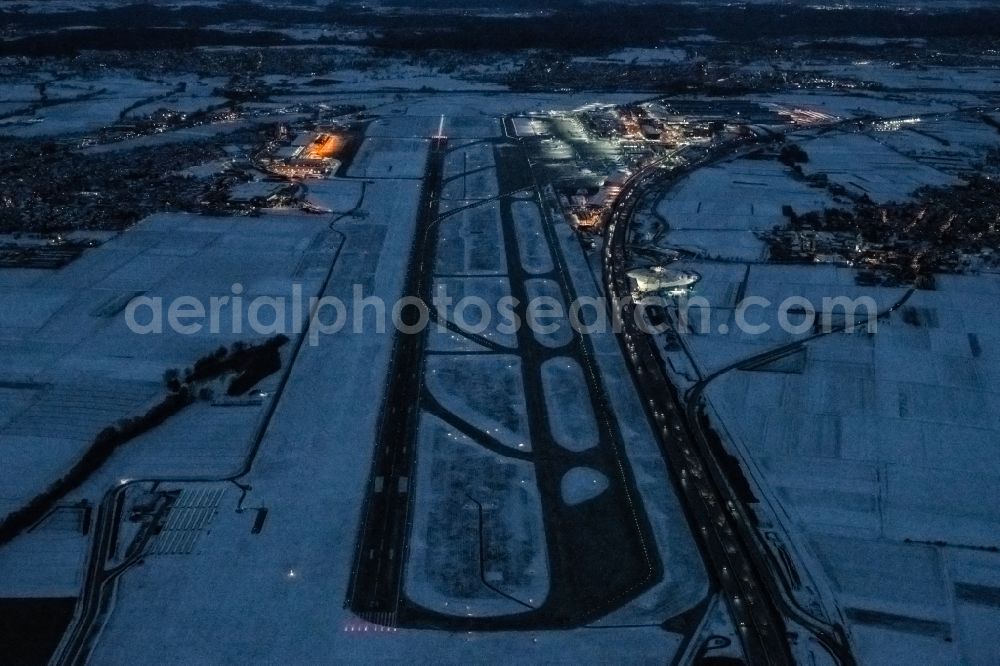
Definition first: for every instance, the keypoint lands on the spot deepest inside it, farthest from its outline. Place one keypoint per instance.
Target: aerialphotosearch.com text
(239, 313)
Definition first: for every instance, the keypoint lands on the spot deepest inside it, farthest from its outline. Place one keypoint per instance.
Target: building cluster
(586, 209)
(639, 134)
(270, 177)
(626, 122)
(943, 230)
(243, 190)
(162, 120)
(303, 155)
(548, 73)
(48, 187)
(656, 124)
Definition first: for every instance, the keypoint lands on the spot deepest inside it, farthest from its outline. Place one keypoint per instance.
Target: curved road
(758, 597)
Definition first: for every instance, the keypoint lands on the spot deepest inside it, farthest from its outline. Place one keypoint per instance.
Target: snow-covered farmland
(716, 210)
(73, 366)
(866, 167)
(877, 450)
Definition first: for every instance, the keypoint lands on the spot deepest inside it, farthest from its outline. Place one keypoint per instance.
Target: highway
(758, 597)
(98, 576)
(830, 636)
(712, 506)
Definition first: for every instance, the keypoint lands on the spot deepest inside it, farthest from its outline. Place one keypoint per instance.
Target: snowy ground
(702, 220)
(949, 145)
(470, 173)
(879, 449)
(468, 242)
(87, 104)
(571, 415)
(892, 76)
(73, 367)
(451, 561)
(864, 166)
(639, 56)
(312, 470)
(337, 195)
(384, 157)
(310, 474)
(484, 390)
(528, 220)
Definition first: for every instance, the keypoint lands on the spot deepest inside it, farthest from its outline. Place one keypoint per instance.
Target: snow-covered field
(716, 210)
(930, 78)
(639, 56)
(535, 256)
(470, 173)
(884, 449)
(486, 391)
(87, 104)
(73, 367)
(468, 242)
(861, 104)
(381, 157)
(570, 413)
(552, 331)
(474, 306)
(185, 134)
(337, 195)
(879, 448)
(864, 166)
(948, 145)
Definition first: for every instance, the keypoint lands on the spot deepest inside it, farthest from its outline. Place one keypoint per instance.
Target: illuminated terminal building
(310, 155)
(657, 279)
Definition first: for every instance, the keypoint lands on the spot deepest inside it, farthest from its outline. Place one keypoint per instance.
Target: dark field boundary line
(243, 362)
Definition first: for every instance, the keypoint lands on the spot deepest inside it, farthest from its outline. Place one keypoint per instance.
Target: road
(830, 636)
(98, 576)
(758, 597)
(761, 626)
